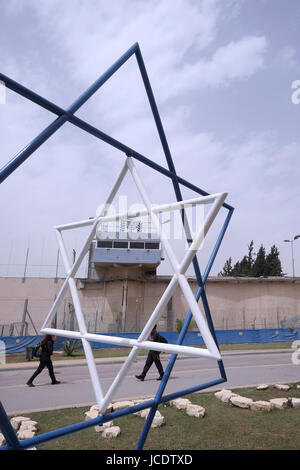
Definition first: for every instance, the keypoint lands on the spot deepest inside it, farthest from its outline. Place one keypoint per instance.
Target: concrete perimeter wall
(125, 305)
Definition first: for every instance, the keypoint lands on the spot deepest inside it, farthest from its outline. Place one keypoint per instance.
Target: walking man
(45, 361)
(153, 356)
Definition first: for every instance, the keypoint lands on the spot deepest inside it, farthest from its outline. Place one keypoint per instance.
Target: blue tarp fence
(18, 344)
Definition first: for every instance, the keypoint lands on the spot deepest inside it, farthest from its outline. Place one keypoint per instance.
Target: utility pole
(25, 268)
(292, 248)
(56, 271)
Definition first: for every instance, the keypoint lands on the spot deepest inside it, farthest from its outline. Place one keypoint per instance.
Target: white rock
(15, 424)
(180, 403)
(108, 424)
(17, 420)
(142, 413)
(120, 405)
(27, 434)
(31, 425)
(101, 428)
(94, 408)
(195, 410)
(298, 385)
(241, 402)
(262, 387)
(29, 422)
(261, 405)
(2, 439)
(31, 428)
(295, 402)
(158, 421)
(157, 414)
(31, 448)
(282, 387)
(280, 403)
(91, 414)
(20, 418)
(225, 395)
(113, 431)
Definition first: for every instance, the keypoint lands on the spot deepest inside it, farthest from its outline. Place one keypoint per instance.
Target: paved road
(242, 369)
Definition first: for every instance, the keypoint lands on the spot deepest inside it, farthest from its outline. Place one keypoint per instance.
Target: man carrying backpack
(153, 356)
(46, 351)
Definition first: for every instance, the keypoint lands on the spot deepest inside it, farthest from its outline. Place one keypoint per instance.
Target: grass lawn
(224, 427)
(120, 352)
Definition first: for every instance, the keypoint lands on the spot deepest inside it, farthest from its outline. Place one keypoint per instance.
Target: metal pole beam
(56, 270)
(24, 317)
(30, 148)
(33, 326)
(182, 334)
(177, 190)
(68, 115)
(8, 430)
(293, 262)
(25, 267)
(64, 116)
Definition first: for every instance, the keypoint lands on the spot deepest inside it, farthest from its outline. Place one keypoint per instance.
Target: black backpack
(161, 339)
(37, 352)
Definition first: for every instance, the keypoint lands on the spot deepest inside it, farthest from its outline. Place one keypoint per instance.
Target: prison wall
(125, 304)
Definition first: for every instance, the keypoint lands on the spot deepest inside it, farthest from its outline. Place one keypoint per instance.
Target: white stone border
(227, 396)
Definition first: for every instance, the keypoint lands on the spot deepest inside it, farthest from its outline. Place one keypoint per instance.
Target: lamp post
(292, 248)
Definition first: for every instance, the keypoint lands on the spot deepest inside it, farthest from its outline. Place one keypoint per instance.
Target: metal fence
(113, 314)
(38, 260)
(15, 329)
(255, 320)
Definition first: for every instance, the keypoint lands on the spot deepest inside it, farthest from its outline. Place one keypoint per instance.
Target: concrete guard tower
(128, 249)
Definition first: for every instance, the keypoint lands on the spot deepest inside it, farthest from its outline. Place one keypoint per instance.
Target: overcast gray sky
(221, 73)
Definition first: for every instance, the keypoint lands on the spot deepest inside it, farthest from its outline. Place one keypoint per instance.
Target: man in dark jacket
(153, 356)
(45, 360)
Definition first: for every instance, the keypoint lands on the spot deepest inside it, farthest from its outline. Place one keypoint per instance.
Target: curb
(120, 360)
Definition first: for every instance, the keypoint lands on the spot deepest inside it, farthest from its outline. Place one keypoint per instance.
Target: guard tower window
(152, 246)
(104, 244)
(120, 244)
(139, 245)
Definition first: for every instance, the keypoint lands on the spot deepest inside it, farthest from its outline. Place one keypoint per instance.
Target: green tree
(237, 269)
(259, 266)
(250, 258)
(252, 265)
(245, 266)
(273, 263)
(227, 268)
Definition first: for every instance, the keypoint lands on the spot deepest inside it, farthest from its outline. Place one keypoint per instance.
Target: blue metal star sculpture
(68, 115)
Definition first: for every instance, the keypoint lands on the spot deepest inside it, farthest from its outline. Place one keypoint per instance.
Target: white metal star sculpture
(178, 278)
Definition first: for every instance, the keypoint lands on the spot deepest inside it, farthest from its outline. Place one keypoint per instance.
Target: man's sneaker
(160, 377)
(56, 382)
(140, 377)
(30, 384)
